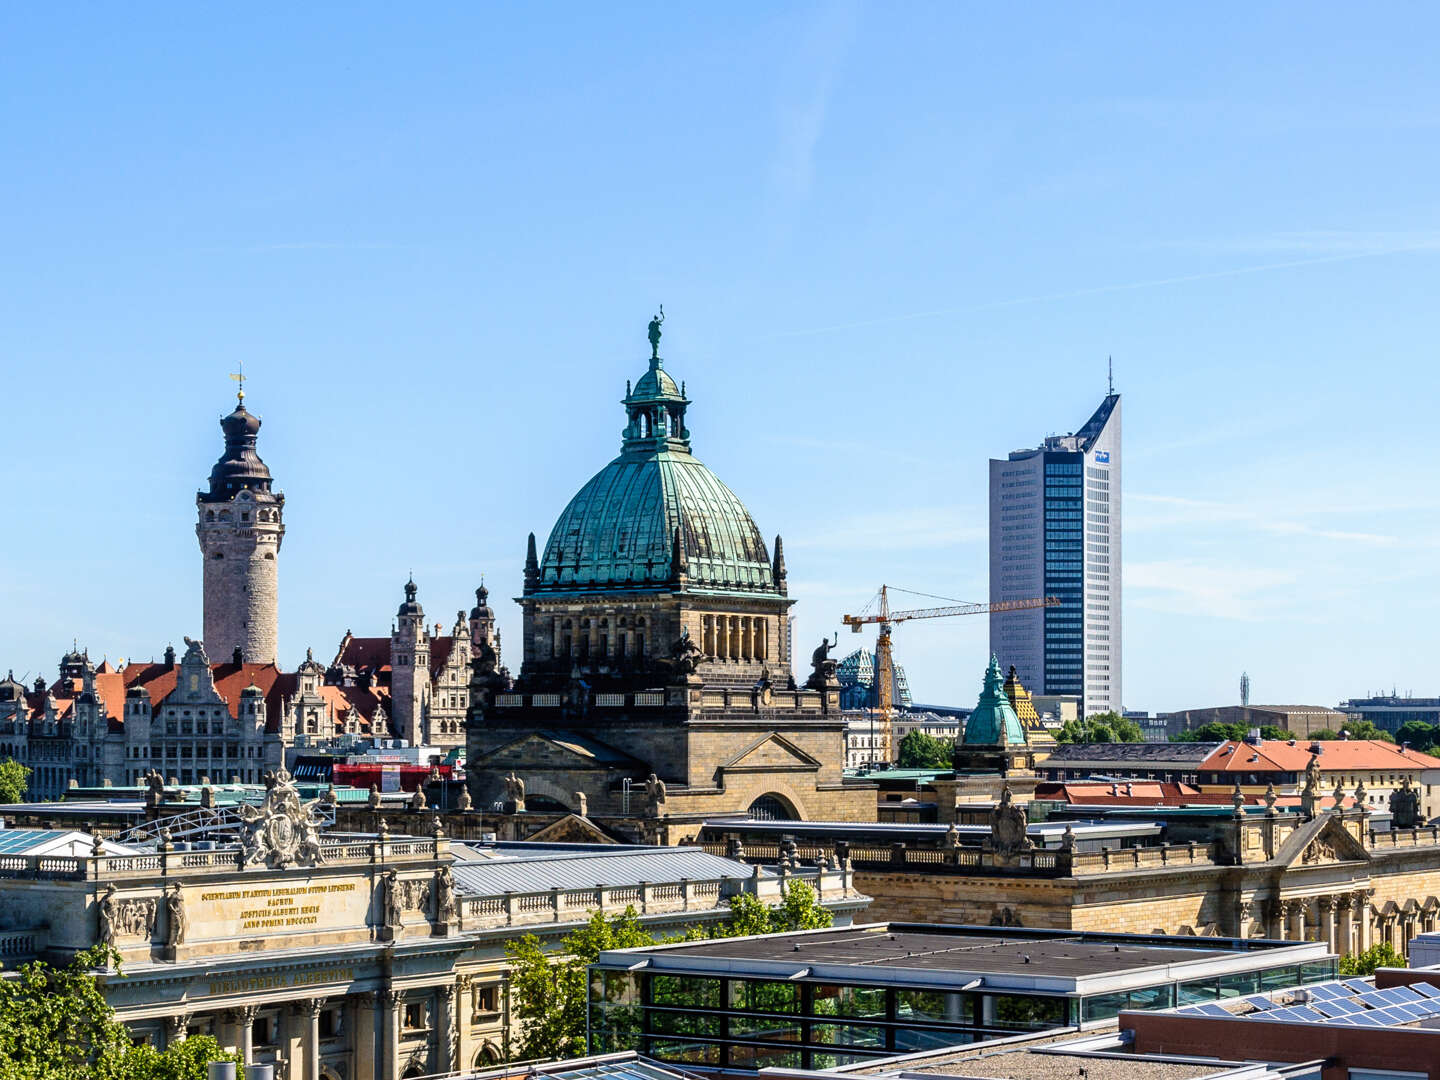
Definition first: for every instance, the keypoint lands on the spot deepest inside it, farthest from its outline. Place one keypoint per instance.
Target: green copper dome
(994, 721)
(654, 506)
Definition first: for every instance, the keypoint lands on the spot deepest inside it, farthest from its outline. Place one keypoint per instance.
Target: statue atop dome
(654, 333)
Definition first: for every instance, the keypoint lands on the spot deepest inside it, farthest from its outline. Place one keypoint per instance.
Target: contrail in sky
(1099, 289)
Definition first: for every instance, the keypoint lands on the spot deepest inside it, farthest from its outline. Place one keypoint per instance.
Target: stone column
(1280, 912)
(293, 1040)
(1296, 930)
(245, 1046)
(1347, 924)
(362, 1035)
(445, 1031)
(176, 1028)
(313, 1007)
(1325, 907)
(1361, 905)
(390, 1034)
(464, 1009)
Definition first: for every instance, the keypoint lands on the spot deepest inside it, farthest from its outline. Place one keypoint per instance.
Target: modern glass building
(821, 998)
(1055, 531)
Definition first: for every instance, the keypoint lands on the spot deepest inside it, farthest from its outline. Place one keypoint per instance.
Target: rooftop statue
(654, 333)
(1008, 834)
(823, 668)
(282, 830)
(685, 653)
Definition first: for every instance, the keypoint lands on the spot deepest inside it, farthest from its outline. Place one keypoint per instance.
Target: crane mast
(884, 653)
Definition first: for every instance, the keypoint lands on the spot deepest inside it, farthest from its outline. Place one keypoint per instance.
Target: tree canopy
(1220, 732)
(1106, 727)
(548, 989)
(14, 781)
(55, 1024)
(1365, 729)
(921, 751)
(1365, 963)
(1420, 735)
(549, 993)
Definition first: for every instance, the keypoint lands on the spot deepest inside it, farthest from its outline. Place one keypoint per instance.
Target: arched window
(771, 807)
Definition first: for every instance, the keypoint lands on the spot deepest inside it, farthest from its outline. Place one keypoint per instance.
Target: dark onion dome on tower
(656, 501)
(240, 465)
(411, 606)
(481, 610)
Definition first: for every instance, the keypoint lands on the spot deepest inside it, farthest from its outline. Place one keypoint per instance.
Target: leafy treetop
(1106, 727)
(921, 751)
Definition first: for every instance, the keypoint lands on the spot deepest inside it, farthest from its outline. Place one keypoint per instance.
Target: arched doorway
(772, 807)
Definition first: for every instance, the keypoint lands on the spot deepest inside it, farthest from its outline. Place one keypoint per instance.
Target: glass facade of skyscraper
(1055, 532)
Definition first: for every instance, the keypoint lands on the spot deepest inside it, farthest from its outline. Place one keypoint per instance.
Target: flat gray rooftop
(1067, 956)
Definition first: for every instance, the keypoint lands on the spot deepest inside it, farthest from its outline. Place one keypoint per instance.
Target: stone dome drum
(652, 506)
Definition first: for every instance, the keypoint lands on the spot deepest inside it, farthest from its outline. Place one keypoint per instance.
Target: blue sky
(892, 242)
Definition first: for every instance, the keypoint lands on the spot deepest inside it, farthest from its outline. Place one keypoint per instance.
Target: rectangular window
(862, 1035)
(949, 1008)
(685, 992)
(864, 1002)
(774, 997)
(1028, 1013)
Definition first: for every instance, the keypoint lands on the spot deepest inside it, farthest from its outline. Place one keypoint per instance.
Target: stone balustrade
(1044, 862)
(180, 862)
(647, 898)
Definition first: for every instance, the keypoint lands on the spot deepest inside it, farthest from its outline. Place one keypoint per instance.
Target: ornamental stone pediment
(542, 751)
(770, 752)
(1325, 842)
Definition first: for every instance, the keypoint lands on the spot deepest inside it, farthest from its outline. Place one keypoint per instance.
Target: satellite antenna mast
(1245, 688)
(1110, 368)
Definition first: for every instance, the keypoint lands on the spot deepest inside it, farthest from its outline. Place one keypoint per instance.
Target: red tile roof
(1336, 755)
(371, 653)
(1144, 793)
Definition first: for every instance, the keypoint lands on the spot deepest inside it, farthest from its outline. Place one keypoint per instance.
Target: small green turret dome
(994, 721)
(655, 517)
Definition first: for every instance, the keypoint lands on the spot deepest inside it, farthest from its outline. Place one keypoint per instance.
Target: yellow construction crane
(884, 668)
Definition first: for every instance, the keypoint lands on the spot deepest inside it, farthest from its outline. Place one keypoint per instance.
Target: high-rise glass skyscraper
(1055, 531)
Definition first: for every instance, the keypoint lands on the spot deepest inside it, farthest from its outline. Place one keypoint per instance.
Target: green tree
(548, 990)
(55, 1024)
(921, 751)
(1364, 729)
(1216, 731)
(1324, 734)
(799, 909)
(1106, 727)
(1420, 735)
(14, 781)
(1365, 963)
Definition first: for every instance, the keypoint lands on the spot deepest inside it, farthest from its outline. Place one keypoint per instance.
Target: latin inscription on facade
(279, 908)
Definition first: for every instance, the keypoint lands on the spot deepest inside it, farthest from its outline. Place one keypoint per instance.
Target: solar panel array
(1346, 1001)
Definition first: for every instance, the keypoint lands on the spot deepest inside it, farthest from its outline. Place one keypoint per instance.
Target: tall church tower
(410, 668)
(240, 525)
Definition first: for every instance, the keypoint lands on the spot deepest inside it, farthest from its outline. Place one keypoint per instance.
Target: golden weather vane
(239, 377)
